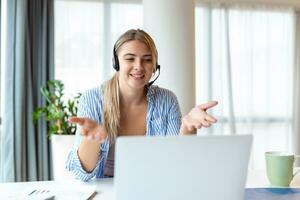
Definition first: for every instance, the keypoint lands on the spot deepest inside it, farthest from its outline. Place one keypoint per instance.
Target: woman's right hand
(90, 128)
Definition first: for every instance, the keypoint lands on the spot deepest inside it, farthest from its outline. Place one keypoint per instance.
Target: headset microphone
(157, 68)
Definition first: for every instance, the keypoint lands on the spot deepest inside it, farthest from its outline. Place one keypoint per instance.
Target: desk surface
(16, 191)
(62, 190)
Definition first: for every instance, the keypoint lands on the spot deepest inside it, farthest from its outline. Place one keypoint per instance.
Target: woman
(128, 104)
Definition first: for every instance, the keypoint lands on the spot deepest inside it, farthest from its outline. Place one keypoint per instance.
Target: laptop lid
(181, 167)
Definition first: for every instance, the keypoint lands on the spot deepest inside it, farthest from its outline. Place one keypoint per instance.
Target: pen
(31, 192)
(92, 196)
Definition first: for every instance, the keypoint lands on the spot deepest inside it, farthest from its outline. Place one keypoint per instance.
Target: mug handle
(297, 172)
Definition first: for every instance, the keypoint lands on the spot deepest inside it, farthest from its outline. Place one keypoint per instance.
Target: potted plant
(62, 133)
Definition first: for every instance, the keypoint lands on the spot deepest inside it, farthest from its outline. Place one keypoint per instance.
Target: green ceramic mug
(279, 166)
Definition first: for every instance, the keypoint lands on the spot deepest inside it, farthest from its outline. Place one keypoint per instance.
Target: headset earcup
(115, 63)
(115, 60)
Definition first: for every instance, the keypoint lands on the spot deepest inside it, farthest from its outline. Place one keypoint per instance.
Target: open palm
(89, 128)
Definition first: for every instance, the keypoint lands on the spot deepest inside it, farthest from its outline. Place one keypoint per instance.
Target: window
(254, 86)
(2, 45)
(250, 72)
(1, 49)
(85, 32)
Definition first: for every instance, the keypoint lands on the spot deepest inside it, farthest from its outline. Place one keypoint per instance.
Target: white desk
(62, 189)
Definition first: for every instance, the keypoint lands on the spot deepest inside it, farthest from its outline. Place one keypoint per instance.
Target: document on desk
(272, 194)
(51, 193)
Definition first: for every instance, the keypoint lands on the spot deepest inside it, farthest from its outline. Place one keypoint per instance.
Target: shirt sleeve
(89, 106)
(173, 116)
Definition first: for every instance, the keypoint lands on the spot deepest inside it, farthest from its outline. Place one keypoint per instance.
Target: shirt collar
(150, 93)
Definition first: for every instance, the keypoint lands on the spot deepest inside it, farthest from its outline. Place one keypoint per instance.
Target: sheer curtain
(85, 32)
(245, 61)
(296, 105)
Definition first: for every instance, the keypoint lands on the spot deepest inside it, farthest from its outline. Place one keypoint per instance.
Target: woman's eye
(129, 59)
(148, 60)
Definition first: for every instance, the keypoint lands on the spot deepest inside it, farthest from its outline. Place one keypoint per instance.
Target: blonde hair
(111, 108)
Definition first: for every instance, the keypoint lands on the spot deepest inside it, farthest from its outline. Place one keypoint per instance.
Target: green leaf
(56, 109)
(37, 114)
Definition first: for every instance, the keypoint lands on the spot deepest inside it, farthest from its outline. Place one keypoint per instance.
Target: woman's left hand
(197, 118)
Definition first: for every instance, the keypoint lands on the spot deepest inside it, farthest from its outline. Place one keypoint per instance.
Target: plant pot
(61, 146)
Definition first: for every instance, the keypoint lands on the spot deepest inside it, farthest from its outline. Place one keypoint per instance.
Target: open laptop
(181, 167)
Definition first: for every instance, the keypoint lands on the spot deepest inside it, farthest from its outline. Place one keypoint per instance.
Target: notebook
(181, 167)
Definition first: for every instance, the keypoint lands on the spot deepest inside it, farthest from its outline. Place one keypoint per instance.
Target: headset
(116, 65)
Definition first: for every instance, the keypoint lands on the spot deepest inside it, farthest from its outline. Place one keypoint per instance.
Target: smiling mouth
(137, 76)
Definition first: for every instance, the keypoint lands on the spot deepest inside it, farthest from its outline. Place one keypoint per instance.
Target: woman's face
(136, 64)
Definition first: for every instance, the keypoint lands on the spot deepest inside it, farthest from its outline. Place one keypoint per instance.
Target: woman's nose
(138, 63)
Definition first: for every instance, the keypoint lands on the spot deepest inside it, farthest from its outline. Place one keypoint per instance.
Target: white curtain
(244, 59)
(85, 32)
(296, 113)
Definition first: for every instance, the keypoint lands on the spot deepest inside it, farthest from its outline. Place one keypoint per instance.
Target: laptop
(181, 167)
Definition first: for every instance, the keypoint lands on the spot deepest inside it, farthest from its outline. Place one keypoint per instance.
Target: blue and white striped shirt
(163, 118)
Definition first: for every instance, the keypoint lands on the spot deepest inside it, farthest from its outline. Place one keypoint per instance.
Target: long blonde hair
(111, 110)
